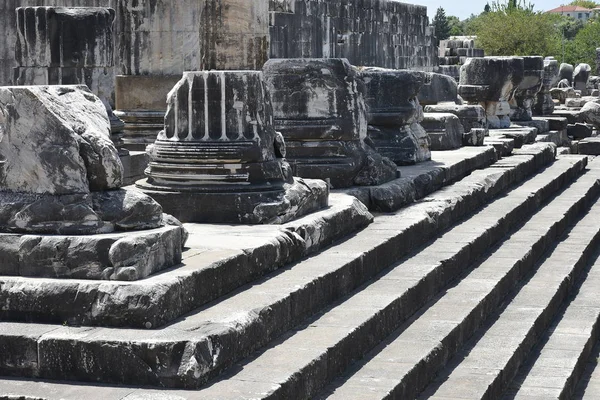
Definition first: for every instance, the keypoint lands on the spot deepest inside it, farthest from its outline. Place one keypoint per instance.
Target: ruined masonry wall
(165, 37)
(384, 33)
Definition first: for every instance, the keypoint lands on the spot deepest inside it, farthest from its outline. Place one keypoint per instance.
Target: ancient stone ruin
(323, 215)
(219, 158)
(319, 107)
(453, 53)
(69, 46)
(491, 82)
(63, 213)
(395, 114)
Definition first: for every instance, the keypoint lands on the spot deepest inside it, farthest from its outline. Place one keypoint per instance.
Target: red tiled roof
(562, 9)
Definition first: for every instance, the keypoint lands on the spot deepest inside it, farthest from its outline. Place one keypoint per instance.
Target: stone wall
(8, 28)
(382, 33)
(165, 37)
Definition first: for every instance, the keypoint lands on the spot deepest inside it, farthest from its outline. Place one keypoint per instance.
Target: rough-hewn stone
(491, 82)
(60, 202)
(319, 107)
(581, 75)
(590, 113)
(394, 114)
(566, 72)
(56, 140)
(543, 103)
(522, 102)
(438, 88)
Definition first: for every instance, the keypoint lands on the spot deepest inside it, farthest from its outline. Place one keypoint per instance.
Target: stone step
(417, 181)
(297, 364)
(486, 367)
(589, 386)
(554, 370)
(192, 350)
(504, 146)
(402, 365)
(559, 138)
(522, 135)
(217, 260)
(589, 146)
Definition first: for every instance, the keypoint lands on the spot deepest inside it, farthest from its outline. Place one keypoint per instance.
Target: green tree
(584, 3)
(440, 22)
(582, 49)
(456, 26)
(507, 31)
(569, 26)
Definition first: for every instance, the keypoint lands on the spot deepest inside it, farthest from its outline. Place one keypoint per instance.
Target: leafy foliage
(582, 49)
(515, 29)
(440, 21)
(584, 3)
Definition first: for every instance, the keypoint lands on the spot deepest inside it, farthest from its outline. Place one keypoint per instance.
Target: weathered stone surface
(127, 209)
(579, 102)
(366, 34)
(438, 88)
(319, 107)
(562, 94)
(491, 82)
(219, 158)
(68, 46)
(543, 103)
(472, 116)
(579, 131)
(444, 130)
(64, 147)
(522, 102)
(475, 137)
(118, 256)
(394, 114)
(566, 72)
(590, 113)
(218, 259)
(581, 75)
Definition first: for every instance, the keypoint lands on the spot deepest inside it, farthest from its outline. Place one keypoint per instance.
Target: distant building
(576, 12)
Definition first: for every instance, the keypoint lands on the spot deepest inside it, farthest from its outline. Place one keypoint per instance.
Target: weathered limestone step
(332, 341)
(419, 180)
(522, 135)
(589, 146)
(559, 138)
(589, 386)
(402, 365)
(190, 351)
(503, 146)
(219, 259)
(492, 362)
(558, 366)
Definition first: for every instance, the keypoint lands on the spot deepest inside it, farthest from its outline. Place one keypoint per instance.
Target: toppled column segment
(219, 158)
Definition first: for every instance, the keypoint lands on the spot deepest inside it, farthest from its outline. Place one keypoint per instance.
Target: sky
(463, 9)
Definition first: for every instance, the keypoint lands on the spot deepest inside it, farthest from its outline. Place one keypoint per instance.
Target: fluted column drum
(219, 158)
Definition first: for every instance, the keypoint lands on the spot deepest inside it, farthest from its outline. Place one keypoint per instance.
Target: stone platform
(421, 179)
(217, 259)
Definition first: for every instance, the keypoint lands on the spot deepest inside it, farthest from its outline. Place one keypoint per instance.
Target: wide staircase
(488, 288)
